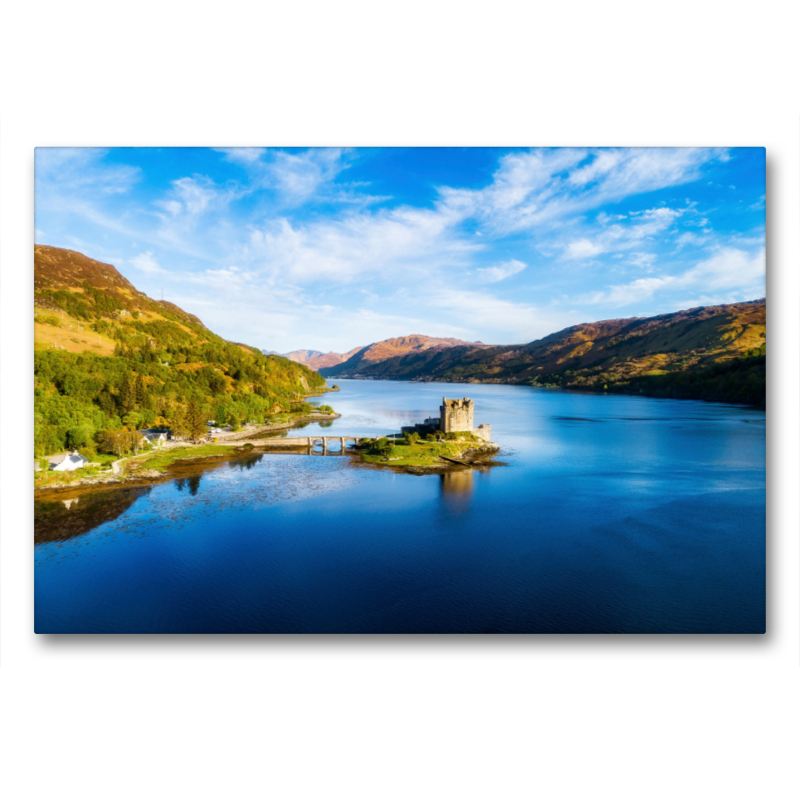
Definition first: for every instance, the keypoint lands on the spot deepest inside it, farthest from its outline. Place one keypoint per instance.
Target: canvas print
(400, 390)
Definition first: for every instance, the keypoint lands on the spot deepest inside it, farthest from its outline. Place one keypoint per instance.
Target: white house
(155, 438)
(66, 462)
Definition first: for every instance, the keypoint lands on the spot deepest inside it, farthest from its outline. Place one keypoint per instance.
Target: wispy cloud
(62, 171)
(500, 272)
(728, 269)
(639, 226)
(255, 237)
(146, 263)
(540, 187)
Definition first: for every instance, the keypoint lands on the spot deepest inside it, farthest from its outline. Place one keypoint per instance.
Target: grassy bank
(421, 453)
(163, 459)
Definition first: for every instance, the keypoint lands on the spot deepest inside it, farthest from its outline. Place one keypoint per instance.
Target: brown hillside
(363, 358)
(73, 294)
(57, 268)
(330, 359)
(595, 353)
(179, 312)
(400, 346)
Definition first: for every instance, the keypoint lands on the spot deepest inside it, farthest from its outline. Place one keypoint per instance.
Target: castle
(454, 416)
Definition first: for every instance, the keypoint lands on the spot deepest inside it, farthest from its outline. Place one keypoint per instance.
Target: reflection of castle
(454, 416)
(457, 482)
(456, 487)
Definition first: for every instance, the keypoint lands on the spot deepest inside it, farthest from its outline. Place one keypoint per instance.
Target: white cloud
(500, 271)
(146, 263)
(80, 170)
(583, 248)
(188, 198)
(395, 244)
(503, 320)
(689, 238)
(298, 177)
(728, 270)
(243, 155)
(535, 189)
(644, 260)
(613, 238)
(295, 177)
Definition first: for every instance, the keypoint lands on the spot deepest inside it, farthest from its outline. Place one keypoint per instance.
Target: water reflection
(456, 488)
(247, 463)
(192, 482)
(64, 519)
(317, 450)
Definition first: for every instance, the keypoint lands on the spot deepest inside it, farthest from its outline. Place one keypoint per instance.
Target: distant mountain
(316, 359)
(613, 353)
(302, 356)
(357, 361)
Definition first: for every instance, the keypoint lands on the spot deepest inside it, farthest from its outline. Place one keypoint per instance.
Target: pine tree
(195, 420)
(180, 428)
(140, 392)
(127, 394)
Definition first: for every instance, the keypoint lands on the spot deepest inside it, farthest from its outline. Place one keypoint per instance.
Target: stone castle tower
(456, 415)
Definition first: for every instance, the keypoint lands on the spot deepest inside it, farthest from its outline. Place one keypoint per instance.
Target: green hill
(108, 357)
(613, 355)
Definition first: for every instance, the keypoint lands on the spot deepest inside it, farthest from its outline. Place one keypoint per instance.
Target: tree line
(90, 402)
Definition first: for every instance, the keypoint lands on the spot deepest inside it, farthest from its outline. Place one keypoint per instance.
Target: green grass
(279, 419)
(161, 459)
(419, 454)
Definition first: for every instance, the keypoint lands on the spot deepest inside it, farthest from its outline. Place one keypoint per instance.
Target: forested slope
(108, 358)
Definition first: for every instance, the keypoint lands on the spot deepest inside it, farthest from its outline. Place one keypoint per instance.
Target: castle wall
(484, 432)
(456, 415)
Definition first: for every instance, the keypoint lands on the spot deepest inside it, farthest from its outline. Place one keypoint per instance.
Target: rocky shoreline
(471, 457)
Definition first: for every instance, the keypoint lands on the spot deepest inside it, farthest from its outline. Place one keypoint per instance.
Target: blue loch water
(611, 514)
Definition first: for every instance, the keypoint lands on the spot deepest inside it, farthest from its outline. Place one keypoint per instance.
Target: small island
(444, 443)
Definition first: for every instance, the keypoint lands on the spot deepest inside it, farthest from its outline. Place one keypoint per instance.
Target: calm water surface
(613, 514)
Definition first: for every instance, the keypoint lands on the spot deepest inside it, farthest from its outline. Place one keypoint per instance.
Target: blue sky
(331, 248)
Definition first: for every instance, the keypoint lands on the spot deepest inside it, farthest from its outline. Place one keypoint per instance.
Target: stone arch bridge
(310, 443)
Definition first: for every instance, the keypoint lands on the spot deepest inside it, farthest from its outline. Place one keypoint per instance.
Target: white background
(404, 717)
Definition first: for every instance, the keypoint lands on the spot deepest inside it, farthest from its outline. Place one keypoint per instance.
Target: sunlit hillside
(108, 357)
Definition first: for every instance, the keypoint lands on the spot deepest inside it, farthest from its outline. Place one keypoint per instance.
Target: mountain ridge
(619, 353)
(394, 347)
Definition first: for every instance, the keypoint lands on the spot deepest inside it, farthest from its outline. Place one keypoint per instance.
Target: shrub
(89, 452)
(379, 447)
(79, 436)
